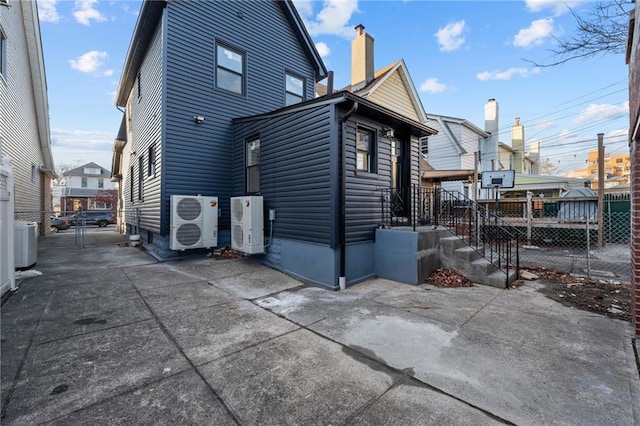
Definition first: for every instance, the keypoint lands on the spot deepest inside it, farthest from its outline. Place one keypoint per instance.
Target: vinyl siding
(197, 157)
(298, 171)
(443, 155)
(393, 94)
(144, 124)
(18, 125)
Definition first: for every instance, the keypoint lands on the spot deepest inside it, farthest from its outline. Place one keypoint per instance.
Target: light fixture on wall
(388, 132)
(198, 119)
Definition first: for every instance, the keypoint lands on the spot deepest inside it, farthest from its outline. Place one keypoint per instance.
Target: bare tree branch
(602, 31)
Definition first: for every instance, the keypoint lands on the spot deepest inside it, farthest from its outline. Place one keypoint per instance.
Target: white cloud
(506, 75)
(557, 7)
(304, 7)
(89, 62)
(323, 49)
(107, 73)
(432, 85)
(332, 19)
(544, 125)
(535, 34)
(47, 11)
(450, 36)
(84, 12)
(595, 112)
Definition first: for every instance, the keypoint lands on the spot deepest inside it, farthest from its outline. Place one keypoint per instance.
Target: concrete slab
(54, 281)
(220, 268)
(52, 261)
(159, 275)
(67, 375)
(18, 326)
(103, 288)
(181, 297)
(260, 283)
(210, 333)
(298, 378)
(9, 367)
(414, 404)
(177, 400)
(521, 384)
(64, 318)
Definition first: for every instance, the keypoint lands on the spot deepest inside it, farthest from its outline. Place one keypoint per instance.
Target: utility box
(25, 243)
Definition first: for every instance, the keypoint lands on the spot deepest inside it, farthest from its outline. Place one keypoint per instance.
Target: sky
(459, 54)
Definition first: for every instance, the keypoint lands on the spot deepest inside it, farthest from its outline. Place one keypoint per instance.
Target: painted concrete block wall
(396, 255)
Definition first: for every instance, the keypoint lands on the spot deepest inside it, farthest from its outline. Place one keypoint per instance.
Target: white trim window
(230, 69)
(253, 165)
(294, 89)
(366, 155)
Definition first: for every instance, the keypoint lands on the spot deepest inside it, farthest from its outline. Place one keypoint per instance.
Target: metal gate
(75, 230)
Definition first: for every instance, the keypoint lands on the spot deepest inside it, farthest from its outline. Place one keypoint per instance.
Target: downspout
(343, 197)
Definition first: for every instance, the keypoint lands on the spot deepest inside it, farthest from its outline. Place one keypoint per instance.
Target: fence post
(588, 248)
(529, 210)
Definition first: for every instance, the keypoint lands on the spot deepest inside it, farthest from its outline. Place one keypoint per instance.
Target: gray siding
(298, 171)
(145, 120)
(18, 125)
(197, 157)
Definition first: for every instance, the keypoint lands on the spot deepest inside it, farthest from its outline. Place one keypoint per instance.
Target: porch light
(388, 132)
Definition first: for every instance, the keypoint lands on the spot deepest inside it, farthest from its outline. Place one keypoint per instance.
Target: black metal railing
(489, 235)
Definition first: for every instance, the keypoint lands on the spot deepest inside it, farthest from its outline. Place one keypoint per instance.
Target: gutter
(342, 280)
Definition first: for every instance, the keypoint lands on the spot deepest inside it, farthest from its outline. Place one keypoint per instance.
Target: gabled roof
(39, 81)
(79, 171)
(372, 109)
(444, 122)
(383, 74)
(148, 19)
(118, 146)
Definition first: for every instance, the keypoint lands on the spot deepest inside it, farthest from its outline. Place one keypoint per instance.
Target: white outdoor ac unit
(194, 222)
(247, 227)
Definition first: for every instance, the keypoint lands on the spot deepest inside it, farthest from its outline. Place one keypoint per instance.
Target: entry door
(400, 177)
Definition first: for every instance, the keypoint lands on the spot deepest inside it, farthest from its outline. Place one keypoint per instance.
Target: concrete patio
(108, 336)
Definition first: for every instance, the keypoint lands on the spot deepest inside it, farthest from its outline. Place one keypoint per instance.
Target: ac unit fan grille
(188, 234)
(237, 210)
(188, 209)
(237, 236)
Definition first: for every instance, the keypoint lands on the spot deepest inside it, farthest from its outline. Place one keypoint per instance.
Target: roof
(150, 14)
(118, 146)
(80, 192)
(527, 182)
(461, 121)
(382, 74)
(447, 175)
(79, 171)
(365, 107)
(39, 81)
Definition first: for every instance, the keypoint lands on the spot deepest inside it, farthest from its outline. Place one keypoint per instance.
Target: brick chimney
(361, 59)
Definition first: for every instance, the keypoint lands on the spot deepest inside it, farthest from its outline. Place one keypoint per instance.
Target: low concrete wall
(407, 256)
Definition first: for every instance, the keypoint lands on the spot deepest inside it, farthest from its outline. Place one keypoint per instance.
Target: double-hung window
(3, 54)
(84, 182)
(230, 69)
(100, 183)
(294, 89)
(366, 155)
(140, 177)
(152, 161)
(253, 165)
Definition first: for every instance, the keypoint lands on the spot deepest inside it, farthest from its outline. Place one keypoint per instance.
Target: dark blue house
(207, 83)
(193, 66)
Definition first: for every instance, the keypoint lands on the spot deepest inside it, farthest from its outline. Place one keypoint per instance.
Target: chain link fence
(568, 235)
(75, 230)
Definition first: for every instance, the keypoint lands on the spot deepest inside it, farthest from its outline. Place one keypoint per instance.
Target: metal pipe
(342, 280)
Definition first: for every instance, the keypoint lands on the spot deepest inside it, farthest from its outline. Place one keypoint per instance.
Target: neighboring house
(24, 114)
(315, 221)
(191, 68)
(633, 60)
(542, 185)
(617, 168)
(83, 185)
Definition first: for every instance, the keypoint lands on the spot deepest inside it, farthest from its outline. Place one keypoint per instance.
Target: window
(139, 85)
(131, 180)
(33, 173)
(294, 89)
(424, 145)
(84, 182)
(100, 183)
(230, 69)
(140, 176)
(365, 151)
(253, 165)
(152, 161)
(3, 54)
(619, 160)
(619, 169)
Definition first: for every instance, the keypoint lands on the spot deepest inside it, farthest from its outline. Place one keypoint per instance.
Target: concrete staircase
(456, 254)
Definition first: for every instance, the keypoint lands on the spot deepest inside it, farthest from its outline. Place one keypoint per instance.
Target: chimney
(361, 59)
(517, 143)
(489, 149)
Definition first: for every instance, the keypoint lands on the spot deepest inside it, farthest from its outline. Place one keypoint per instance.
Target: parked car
(59, 224)
(91, 217)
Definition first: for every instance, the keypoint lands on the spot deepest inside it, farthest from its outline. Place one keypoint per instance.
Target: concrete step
(482, 266)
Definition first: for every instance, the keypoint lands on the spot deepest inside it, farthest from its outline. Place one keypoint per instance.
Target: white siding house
(24, 115)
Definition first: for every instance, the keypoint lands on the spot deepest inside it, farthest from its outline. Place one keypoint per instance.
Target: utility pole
(600, 190)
